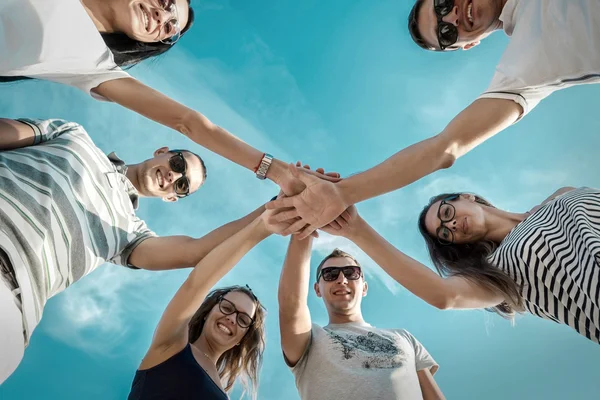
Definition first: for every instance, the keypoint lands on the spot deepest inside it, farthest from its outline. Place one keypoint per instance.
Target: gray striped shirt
(65, 209)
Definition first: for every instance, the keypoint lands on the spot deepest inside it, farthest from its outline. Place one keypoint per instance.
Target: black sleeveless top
(178, 378)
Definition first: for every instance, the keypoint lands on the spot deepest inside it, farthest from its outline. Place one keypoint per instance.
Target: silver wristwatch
(265, 163)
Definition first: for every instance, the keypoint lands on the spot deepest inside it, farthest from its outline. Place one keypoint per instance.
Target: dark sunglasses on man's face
(330, 274)
(178, 164)
(447, 33)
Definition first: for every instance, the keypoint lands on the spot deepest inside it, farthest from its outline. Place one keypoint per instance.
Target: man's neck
(335, 318)
(102, 14)
(132, 174)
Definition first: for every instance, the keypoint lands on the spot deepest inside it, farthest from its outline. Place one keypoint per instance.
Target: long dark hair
(127, 52)
(471, 261)
(243, 361)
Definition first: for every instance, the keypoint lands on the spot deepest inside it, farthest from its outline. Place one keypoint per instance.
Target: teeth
(469, 14)
(224, 329)
(145, 17)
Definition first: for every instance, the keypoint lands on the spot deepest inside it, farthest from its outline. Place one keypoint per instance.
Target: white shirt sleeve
(504, 87)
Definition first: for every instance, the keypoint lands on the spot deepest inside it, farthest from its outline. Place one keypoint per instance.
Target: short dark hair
(336, 253)
(413, 26)
(195, 155)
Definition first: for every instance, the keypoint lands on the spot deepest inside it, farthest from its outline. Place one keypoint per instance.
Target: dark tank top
(178, 378)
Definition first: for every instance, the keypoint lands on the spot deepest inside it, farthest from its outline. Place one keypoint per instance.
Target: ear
(160, 151)
(470, 45)
(365, 289)
(317, 289)
(170, 199)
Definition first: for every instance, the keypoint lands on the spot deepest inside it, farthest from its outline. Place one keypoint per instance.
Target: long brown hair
(243, 361)
(471, 261)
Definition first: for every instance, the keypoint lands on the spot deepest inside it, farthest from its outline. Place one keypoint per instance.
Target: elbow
(443, 302)
(192, 123)
(446, 151)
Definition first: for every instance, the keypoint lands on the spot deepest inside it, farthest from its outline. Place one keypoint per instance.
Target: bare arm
(478, 122)
(171, 252)
(171, 335)
(443, 293)
(321, 202)
(15, 134)
(429, 388)
(136, 96)
(294, 316)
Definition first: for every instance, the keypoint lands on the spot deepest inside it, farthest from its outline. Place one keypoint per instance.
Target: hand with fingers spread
(319, 204)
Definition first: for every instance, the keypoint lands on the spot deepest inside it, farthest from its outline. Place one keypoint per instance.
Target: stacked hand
(320, 203)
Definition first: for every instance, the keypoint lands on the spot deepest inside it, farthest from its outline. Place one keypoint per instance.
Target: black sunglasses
(330, 274)
(227, 308)
(178, 164)
(447, 33)
(446, 213)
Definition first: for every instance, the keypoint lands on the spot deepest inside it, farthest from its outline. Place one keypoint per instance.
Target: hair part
(413, 26)
(336, 253)
(471, 261)
(244, 360)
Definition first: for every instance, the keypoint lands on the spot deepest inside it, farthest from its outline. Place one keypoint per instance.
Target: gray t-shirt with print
(357, 361)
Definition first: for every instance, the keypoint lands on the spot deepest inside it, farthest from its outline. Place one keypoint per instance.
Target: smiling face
(341, 296)
(463, 220)
(152, 20)
(223, 330)
(157, 179)
(474, 20)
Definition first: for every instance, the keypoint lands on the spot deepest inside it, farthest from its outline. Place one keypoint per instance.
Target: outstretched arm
(294, 316)
(171, 252)
(443, 293)
(171, 335)
(136, 96)
(321, 202)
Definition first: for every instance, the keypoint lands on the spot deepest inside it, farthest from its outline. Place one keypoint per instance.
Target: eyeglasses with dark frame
(172, 26)
(178, 164)
(446, 213)
(447, 33)
(241, 318)
(330, 274)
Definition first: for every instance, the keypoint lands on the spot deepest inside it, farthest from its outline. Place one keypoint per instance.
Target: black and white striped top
(555, 255)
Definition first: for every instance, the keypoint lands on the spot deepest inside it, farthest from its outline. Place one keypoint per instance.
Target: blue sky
(336, 84)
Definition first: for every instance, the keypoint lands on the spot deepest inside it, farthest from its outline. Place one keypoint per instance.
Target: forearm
(226, 255)
(401, 169)
(475, 124)
(414, 276)
(295, 278)
(136, 96)
(15, 134)
(200, 247)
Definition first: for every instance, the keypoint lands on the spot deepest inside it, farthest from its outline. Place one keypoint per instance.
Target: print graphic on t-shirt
(372, 350)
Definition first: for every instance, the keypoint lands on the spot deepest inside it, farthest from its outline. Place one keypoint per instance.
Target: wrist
(260, 229)
(276, 171)
(358, 227)
(347, 192)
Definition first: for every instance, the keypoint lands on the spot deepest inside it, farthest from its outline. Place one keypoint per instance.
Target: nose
(231, 319)
(452, 16)
(173, 176)
(341, 279)
(161, 16)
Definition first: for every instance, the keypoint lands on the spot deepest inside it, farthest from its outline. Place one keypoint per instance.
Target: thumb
(298, 173)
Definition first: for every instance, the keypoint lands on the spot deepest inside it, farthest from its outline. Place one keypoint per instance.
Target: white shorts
(12, 341)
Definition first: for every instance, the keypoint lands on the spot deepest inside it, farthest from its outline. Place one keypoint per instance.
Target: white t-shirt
(54, 40)
(553, 44)
(357, 361)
